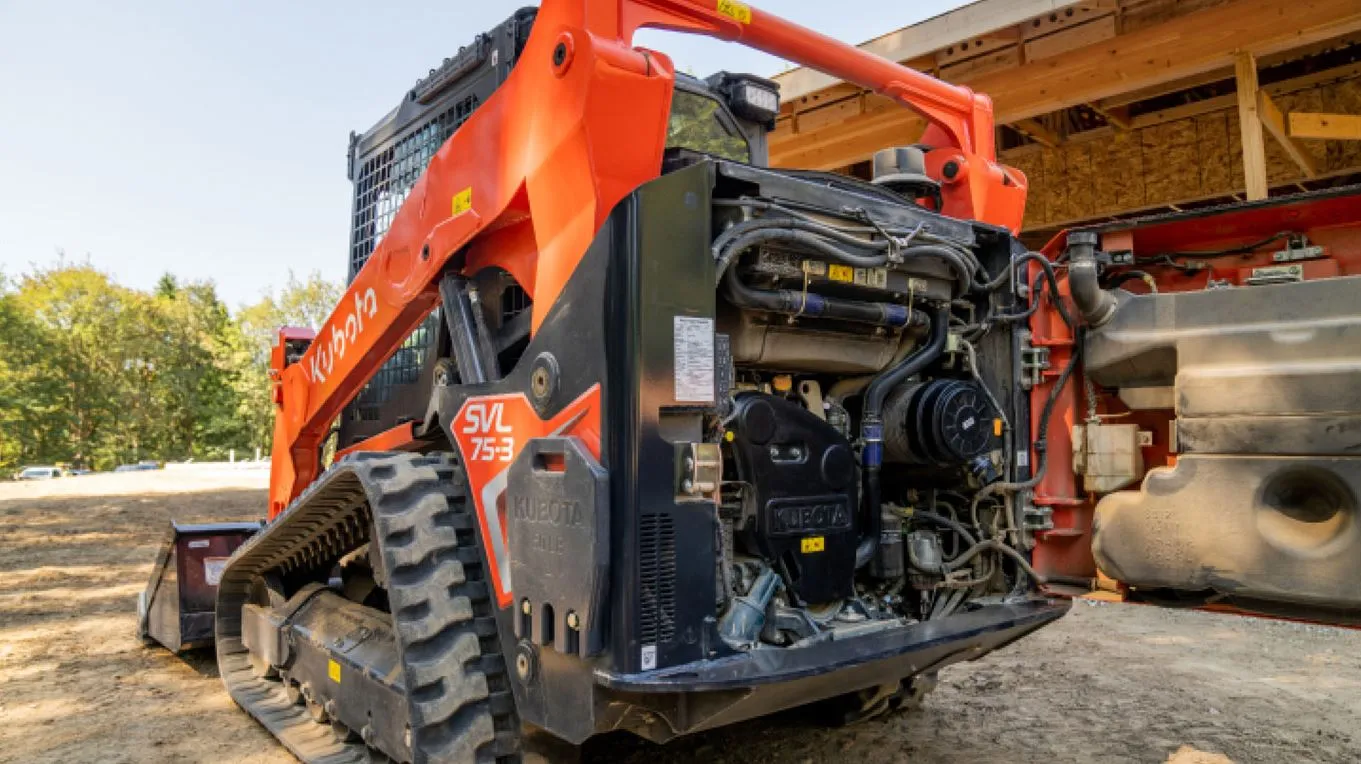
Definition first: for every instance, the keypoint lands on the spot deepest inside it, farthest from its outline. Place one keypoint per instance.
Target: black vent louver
(657, 577)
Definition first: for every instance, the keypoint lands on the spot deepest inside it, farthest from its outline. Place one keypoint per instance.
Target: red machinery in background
(1228, 369)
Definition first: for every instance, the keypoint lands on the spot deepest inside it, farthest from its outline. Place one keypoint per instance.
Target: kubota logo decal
(341, 336)
(491, 431)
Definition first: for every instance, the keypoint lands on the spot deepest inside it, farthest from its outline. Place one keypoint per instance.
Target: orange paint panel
(491, 431)
(394, 439)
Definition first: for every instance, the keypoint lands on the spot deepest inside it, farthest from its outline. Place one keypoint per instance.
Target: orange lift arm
(528, 180)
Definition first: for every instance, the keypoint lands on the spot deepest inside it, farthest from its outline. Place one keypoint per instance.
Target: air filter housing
(944, 422)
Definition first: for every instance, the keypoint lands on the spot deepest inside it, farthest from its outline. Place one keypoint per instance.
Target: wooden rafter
(1250, 122)
(966, 23)
(1038, 132)
(1327, 127)
(1274, 122)
(1220, 103)
(1116, 116)
(1158, 53)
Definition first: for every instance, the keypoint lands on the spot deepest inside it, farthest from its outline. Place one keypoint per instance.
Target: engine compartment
(865, 349)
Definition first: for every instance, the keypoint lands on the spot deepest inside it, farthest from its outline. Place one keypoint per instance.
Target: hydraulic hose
(788, 232)
(732, 243)
(995, 545)
(792, 303)
(1041, 443)
(872, 426)
(882, 385)
(954, 525)
(1094, 303)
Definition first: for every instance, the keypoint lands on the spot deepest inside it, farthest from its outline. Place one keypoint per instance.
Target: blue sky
(208, 138)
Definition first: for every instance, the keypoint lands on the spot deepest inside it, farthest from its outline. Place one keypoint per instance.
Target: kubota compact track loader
(638, 433)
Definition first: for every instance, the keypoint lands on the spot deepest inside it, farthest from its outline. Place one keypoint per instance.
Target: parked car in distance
(39, 473)
(138, 467)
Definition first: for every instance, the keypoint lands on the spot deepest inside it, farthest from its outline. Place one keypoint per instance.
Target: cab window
(697, 123)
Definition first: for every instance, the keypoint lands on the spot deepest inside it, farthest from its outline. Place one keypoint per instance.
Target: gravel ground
(1108, 683)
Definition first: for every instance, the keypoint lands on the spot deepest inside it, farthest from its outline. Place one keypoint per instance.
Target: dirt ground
(1108, 683)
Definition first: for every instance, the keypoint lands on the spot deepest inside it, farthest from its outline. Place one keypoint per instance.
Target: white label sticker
(1022, 458)
(212, 570)
(199, 544)
(649, 657)
(694, 341)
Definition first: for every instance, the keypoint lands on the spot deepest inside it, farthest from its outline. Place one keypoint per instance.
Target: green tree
(96, 374)
(301, 302)
(91, 335)
(198, 368)
(29, 417)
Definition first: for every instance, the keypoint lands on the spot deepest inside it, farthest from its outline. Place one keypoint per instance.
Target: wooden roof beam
(1250, 124)
(925, 38)
(1198, 42)
(1275, 123)
(1037, 132)
(1327, 127)
(1219, 103)
(1116, 116)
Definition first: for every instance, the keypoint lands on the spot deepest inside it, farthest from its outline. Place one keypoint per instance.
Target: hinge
(1035, 517)
(699, 471)
(1034, 363)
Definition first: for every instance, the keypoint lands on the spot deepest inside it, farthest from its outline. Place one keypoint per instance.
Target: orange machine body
(526, 183)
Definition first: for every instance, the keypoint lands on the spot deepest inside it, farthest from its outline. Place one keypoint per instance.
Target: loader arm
(579, 124)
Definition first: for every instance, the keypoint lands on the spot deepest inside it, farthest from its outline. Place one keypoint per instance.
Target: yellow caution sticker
(739, 12)
(812, 544)
(841, 273)
(463, 201)
(333, 671)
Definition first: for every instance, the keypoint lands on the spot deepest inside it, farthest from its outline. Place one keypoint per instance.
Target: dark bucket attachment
(176, 609)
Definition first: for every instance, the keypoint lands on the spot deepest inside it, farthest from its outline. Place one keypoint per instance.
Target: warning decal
(212, 570)
(694, 343)
(737, 11)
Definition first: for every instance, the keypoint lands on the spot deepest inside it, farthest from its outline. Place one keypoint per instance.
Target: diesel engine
(861, 344)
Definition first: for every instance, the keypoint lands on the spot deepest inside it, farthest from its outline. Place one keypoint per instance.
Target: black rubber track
(414, 510)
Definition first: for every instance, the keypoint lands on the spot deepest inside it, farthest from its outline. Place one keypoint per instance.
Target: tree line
(95, 374)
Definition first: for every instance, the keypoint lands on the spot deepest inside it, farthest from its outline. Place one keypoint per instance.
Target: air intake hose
(872, 426)
(1094, 303)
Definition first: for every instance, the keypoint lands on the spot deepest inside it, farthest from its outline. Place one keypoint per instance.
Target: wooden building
(1117, 108)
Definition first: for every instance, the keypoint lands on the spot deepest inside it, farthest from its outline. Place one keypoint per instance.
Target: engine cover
(802, 478)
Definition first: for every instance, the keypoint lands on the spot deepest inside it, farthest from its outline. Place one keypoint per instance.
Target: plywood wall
(1111, 172)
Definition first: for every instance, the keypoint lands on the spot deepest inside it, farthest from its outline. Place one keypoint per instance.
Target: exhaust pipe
(1094, 303)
